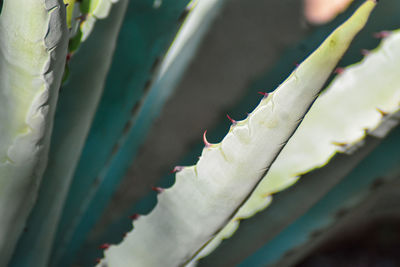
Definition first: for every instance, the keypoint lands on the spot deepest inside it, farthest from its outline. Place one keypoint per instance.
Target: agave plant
(71, 121)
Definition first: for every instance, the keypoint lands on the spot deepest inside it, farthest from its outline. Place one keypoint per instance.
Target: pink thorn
(232, 120)
(381, 35)
(157, 189)
(296, 64)
(134, 216)
(104, 246)
(177, 169)
(365, 52)
(206, 143)
(263, 93)
(69, 55)
(339, 70)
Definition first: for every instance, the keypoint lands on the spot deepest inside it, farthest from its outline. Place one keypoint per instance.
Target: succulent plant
(81, 83)
(205, 196)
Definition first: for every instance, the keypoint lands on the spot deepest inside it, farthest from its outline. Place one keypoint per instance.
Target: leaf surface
(33, 47)
(77, 104)
(341, 118)
(207, 195)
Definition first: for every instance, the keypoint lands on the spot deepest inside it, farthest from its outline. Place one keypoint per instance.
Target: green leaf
(134, 95)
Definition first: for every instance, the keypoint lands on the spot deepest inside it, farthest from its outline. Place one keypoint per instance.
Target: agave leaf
(170, 71)
(362, 91)
(263, 227)
(77, 105)
(132, 99)
(384, 17)
(207, 195)
(33, 51)
(382, 164)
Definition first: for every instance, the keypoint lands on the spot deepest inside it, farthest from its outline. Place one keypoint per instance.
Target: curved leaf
(304, 233)
(75, 111)
(126, 110)
(362, 92)
(207, 195)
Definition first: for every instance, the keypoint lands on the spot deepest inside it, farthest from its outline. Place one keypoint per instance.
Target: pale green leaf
(207, 195)
(33, 47)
